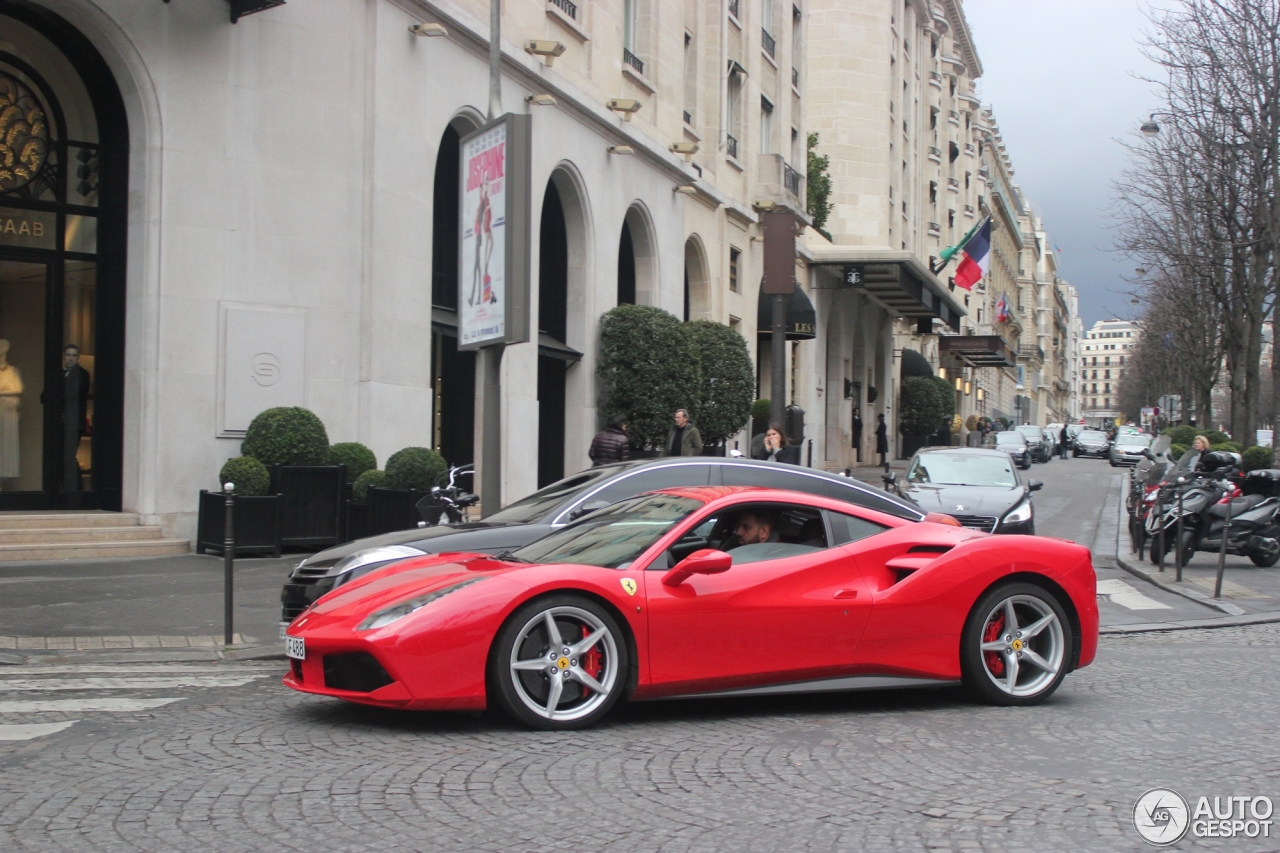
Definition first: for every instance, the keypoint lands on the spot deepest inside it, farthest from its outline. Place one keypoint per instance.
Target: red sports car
(705, 591)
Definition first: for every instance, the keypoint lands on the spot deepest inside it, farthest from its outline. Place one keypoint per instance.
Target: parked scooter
(447, 505)
(1206, 491)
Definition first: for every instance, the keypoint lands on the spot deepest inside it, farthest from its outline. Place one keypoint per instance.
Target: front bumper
(1100, 452)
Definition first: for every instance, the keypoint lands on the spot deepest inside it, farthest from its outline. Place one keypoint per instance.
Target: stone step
(93, 549)
(68, 535)
(47, 520)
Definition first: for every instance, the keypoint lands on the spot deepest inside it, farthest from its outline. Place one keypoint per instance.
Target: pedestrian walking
(611, 444)
(684, 438)
(882, 439)
(776, 447)
(1064, 442)
(943, 437)
(857, 433)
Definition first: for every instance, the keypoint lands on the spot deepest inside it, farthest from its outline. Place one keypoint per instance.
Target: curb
(1199, 598)
(235, 654)
(1194, 624)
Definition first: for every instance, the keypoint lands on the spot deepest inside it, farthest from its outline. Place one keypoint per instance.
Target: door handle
(846, 593)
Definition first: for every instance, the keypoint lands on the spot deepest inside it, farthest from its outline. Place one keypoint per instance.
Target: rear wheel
(1016, 646)
(1264, 562)
(559, 663)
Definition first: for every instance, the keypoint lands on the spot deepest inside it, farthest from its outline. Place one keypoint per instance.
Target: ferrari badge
(629, 585)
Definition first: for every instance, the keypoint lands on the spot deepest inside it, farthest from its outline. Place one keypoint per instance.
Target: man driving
(756, 528)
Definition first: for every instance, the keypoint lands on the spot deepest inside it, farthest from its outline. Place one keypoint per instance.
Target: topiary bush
(416, 468)
(1176, 451)
(1183, 435)
(1216, 436)
(369, 479)
(946, 396)
(287, 435)
(760, 409)
(728, 380)
(1229, 446)
(355, 456)
(919, 407)
(248, 475)
(648, 369)
(1256, 458)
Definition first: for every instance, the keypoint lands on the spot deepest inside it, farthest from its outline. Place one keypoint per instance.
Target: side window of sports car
(759, 532)
(850, 528)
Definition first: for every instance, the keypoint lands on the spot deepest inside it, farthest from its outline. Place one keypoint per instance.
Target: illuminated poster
(482, 297)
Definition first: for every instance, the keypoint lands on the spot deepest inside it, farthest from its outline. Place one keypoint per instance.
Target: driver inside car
(756, 528)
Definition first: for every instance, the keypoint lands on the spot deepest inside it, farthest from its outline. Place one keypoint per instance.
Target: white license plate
(295, 647)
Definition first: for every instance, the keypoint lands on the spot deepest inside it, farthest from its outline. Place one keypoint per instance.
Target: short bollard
(1222, 551)
(228, 559)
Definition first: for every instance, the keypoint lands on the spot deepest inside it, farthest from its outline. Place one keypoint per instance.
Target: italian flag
(975, 255)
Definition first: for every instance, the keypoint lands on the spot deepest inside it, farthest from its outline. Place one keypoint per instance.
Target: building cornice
(960, 32)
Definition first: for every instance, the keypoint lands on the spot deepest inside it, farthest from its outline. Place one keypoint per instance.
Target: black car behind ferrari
(533, 517)
(1091, 442)
(977, 487)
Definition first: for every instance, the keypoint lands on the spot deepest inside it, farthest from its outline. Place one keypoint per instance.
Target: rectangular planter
(393, 509)
(313, 501)
(357, 526)
(256, 519)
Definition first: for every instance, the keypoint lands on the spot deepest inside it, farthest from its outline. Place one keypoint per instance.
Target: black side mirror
(1035, 485)
(586, 509)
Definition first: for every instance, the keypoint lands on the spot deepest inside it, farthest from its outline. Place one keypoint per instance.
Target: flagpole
(945, 256)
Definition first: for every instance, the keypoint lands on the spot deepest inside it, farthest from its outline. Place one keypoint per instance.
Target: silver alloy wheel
(561, 661)
(1026, 647)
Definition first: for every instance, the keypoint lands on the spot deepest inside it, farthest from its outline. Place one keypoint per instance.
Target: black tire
(1055, 644)
(1264, 562)
(583, 707)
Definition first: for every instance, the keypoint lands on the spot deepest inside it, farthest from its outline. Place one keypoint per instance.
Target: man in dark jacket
(69, 392)
(611, 444)
(882, 439)
(684, 438)
(857, 432)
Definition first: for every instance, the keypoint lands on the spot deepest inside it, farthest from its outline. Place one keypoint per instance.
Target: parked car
(1090, 442)
(1127, 448)
(1013, 443)
(976, 486)
(550, 508)
(682, 593)
(1041, 450)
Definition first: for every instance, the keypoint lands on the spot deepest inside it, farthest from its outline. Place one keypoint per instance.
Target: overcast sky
(1059, 76)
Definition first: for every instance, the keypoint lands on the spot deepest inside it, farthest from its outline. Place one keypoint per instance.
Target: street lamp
(1149, 127)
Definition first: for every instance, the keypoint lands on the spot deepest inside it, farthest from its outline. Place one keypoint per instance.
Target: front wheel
(1264, 562)
(1016, 646)
(559, 663)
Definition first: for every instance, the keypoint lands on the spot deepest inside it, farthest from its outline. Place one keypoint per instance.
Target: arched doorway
(697, 291)
(64, 154)
(637, 263)
(453, 376)
(553, 323)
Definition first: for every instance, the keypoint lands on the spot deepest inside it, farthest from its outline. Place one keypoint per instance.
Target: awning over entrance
(802, 319)
(896, 280)
(978, 350)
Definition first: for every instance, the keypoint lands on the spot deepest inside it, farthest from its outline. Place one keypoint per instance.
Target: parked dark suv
(533, 517)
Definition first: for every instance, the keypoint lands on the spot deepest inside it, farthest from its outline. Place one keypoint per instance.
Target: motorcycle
(447, 505)
(1207, 497)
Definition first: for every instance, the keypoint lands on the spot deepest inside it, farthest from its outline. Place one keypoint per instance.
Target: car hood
(418, 537)
(976, 500)
(1130, 449)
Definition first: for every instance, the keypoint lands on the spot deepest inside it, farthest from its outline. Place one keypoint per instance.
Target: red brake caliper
(995, 661)
(591, 660)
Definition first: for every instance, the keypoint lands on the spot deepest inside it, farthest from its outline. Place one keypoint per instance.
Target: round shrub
(1176, 451)
(355, 456)
(360, 488)
(1216, 436)
(287, 435)
(248, 475)
(1229, 446)
(761, 408)
(415, 468)
(1183, 435)
(1256, 458)
(728, 379)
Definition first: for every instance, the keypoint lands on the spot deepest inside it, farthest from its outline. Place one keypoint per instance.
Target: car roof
(752, 494)
(968, 451)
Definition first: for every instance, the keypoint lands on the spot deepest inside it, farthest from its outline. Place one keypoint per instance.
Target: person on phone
(776, 447)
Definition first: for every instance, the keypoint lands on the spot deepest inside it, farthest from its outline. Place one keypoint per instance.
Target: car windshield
(612, 537)
(1133, 441)
(1010, 438)
(530, 509)
(1092, 436)
(1031, 432)
(962, 469)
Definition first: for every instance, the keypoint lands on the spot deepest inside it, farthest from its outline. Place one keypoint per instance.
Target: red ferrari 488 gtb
(705, 591)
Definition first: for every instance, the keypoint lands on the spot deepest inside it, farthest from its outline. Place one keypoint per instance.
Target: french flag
(975, 257)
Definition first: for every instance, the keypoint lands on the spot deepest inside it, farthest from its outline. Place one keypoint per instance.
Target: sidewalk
(1250, 594)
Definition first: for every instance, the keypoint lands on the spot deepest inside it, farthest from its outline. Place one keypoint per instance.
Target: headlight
(384, 617)
(371, 555)
(1020, 513)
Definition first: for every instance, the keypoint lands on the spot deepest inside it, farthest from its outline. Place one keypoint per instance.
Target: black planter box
(357, 517)
(911, 443)
(392, 509)
(313, 500)
(256, 519)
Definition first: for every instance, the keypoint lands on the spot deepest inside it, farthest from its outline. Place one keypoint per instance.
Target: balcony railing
(935, 229)
(570, 9)
(968, 210)
(935, 155)
(767, 42)
(953, 184)
(795, 78)
(688, 118)
(731, 146)
(953, 117)
(970, 150)
(1031, 352)
(634, 61)
(982, 175)
(791, 180)
(935, 78)
(733, 8)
